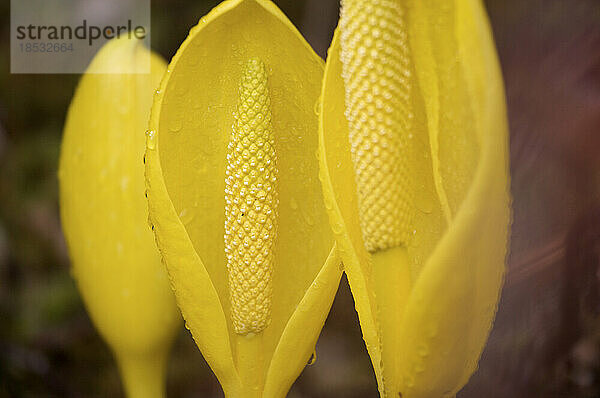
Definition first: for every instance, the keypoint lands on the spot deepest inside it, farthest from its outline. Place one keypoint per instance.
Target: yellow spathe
(257, 344)
(426, 297)
(104, 215)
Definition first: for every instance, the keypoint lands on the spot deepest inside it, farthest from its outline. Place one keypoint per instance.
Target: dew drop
(151, 139)
(309, 220)
(176, 125)
(337, 228)
(425, 205)
(186, 216)
(317, 107)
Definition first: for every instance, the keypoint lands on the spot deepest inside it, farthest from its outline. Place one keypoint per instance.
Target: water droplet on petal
(176, 125)
(309, 220)
(317, 108)
(151, 139)
(186, 216)
(313, 358)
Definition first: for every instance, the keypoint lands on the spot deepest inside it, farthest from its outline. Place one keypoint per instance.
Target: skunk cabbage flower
(115, 261)
(235, 199)
(413, 144)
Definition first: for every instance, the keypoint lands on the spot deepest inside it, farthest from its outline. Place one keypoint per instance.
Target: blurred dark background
(546, 339)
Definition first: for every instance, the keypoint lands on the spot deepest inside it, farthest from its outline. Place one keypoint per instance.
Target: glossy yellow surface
(425, 305)
(191, 127)
(104, 215)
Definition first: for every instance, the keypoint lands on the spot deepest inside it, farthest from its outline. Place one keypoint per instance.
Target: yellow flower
(115, 261)
(413, 143)
(235, 199)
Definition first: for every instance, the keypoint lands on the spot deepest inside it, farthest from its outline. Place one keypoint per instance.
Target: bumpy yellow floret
(251, 203)
(376, 71)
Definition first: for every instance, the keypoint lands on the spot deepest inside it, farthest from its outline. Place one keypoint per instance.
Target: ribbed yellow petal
(413, 111)
(104, 214)
(235, 198)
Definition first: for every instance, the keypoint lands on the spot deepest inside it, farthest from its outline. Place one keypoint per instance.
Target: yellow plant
(413, 145)
(235, 199)
(114, 259)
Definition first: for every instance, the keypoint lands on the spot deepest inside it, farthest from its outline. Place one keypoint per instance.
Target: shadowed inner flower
(251, 203)
(375, 60)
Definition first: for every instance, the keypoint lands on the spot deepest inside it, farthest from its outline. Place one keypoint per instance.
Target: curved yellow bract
(425, 305)
(104, 214)
(256, 322)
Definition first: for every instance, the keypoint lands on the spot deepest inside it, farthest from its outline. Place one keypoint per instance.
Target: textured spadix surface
(232, 143)
(376, 72)
(115, 261)
(413, 89)
(251, 202)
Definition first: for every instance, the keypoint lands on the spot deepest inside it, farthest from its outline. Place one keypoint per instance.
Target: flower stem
(392, 277)
(143, 377)
(250, 363)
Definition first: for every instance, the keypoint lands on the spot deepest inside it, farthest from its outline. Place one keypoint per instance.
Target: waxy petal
(115, 262)
(426, 306)
(244, 80)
